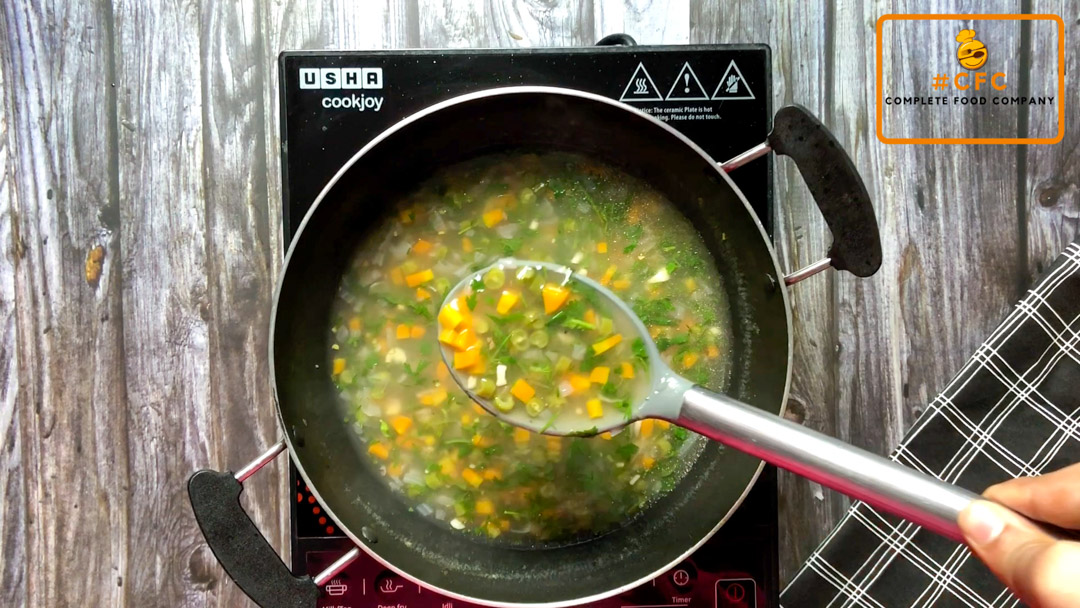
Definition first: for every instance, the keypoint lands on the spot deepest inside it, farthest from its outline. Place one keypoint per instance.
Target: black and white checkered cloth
(1013, 410)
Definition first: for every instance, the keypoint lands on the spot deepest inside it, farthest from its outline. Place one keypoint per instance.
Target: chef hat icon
(965, 36)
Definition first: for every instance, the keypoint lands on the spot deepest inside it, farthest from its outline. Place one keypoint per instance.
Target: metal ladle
(875, 480)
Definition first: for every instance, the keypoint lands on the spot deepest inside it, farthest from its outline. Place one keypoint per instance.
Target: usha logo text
(341, 78)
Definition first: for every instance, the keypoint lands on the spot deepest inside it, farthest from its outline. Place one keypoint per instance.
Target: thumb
(1038, 568)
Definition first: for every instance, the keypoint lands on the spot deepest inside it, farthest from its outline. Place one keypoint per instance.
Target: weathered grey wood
(648, 21)
(12, 484)
(242, 248)
(167, 314)
(1052, 185)
(112, 393)
(66, 522)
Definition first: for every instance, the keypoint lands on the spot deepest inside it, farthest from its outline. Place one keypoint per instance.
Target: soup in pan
(450, 459)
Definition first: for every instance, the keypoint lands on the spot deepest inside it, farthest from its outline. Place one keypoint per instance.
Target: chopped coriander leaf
(626, 451)
(577, 324)
(654, 312)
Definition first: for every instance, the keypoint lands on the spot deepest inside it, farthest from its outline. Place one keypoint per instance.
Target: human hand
(1042, 571)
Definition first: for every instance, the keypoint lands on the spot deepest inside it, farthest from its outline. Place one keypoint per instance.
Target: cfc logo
(972, 53)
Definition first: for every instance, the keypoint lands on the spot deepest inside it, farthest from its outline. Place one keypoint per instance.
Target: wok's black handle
(835, 185)
(617, 40)
(241, 549)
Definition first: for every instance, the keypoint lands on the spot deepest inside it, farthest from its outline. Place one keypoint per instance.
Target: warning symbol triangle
(641, 87)
(733, 85)
(687, 87)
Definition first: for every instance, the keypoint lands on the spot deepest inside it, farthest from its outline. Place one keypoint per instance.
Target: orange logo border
(972, 140)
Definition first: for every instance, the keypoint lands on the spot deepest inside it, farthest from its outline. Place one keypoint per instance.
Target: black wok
(327, 452)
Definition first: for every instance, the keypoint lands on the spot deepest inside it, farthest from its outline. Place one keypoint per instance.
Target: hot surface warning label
(684, 86)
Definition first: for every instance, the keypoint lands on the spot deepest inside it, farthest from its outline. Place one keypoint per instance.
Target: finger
(1042, 571)
(1053, 497)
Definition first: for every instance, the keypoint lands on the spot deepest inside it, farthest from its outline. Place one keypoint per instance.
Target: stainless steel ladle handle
(877, 481)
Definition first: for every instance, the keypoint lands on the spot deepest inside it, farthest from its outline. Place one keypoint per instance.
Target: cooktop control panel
(734, 569)
(682, 586)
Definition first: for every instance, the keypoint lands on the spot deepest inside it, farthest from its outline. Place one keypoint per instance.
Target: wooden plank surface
(66, 523)
(151, 129)
(1051, 189)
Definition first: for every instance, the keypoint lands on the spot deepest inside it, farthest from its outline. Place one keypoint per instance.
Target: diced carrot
(599, 374)
(422, 294)
(450, 316)
(432, 396)
(442, 372)
(479, 410)
(521, 435)
(504, 524)
(417, 331)
(448, 337)
(608, 275)
(466, 245)
(355, 324)
(493, 217)
(485, 507)
(627, 369)
(554, 297)
(466, 358)
(590, 316)
(620, 284)
(472, 477)
(601, 248)
(712, 352)
(663, 424)
(648, 462)
(522, 390)
(379, 450)
(507, 301)
(339, 365)
(595, 408)
(408, 215)
(480, 367)
(689, 359)
(554, 444)
(419, 278)
(462, 305)
(397, 277)
(647, 427)
(480, 441)
(466, 419)
(401, 424)
(402, 332)
(606, 435)
(492, 473)
(579, 382)
(606, 344)
(395, 470)
(421, 246)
